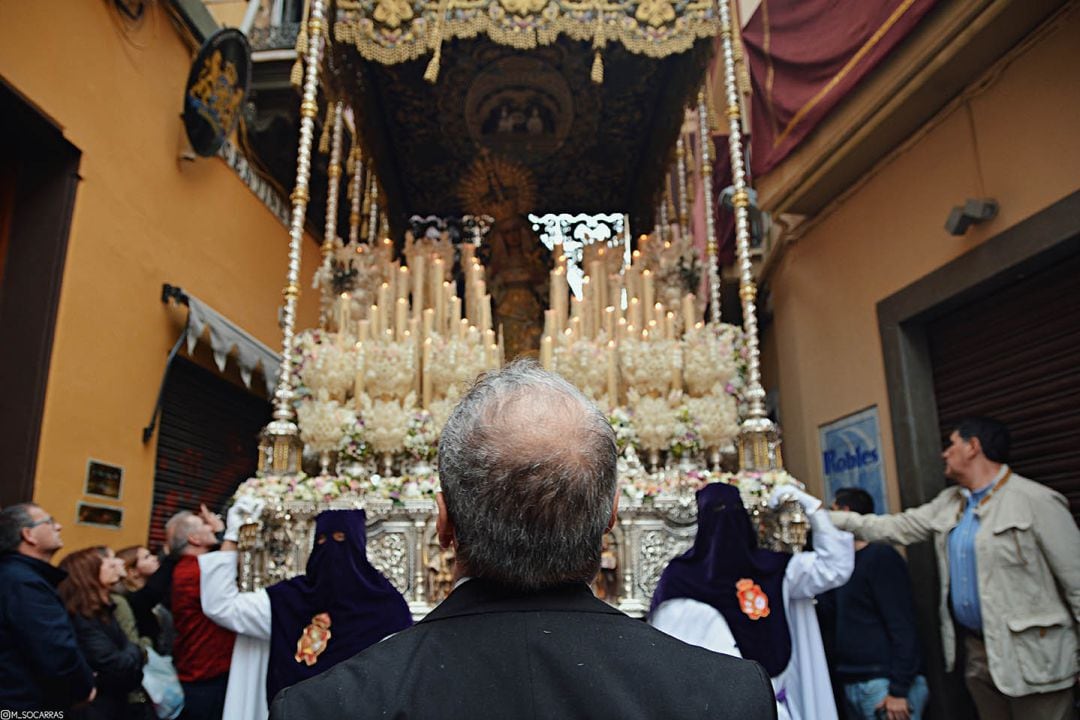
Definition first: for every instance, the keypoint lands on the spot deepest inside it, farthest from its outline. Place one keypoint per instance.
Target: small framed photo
(103, 479)
(99, 515)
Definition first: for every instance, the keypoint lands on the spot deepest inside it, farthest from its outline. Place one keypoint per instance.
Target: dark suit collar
(479, 596)
(51, 574)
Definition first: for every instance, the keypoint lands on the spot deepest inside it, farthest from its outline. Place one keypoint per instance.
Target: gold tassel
(324, 139)
(432, 72)
(597, 73)
(296, 75)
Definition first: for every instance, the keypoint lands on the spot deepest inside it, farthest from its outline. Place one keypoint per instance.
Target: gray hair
(12, 521)
(178, 529)
(528, 471)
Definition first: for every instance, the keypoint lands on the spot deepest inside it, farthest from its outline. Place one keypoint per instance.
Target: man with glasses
(41, 667)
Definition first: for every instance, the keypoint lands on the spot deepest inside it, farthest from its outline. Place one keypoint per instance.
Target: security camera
(972, 212)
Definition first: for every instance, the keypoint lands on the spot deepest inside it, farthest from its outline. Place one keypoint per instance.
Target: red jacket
(203, 649)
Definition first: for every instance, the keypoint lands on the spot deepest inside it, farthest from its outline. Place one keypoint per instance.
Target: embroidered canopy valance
(395, 31)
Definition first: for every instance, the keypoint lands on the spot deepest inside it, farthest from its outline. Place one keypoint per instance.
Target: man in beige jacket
(1008, 554)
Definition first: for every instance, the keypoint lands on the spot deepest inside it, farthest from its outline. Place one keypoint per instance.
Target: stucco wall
(141, 218)
(1016, 141)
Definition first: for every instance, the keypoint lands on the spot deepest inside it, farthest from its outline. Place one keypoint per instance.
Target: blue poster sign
(851, 456)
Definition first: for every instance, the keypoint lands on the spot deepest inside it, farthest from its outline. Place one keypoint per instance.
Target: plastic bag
(162, 685)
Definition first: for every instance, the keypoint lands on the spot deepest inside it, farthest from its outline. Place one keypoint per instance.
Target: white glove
(783, 493)
(244, 510)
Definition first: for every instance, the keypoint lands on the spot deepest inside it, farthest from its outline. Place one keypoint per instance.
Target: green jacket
(1027, 552)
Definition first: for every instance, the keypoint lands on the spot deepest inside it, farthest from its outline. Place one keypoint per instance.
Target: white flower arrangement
(386, 423)
(622, 422)
(421, 439)
(322, 421)
(583, 363)
(389, 369)
(685, 440)
(647, 366)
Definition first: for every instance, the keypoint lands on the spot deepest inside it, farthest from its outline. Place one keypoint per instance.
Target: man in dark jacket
(528, 473)
(876, 651)
(40, 663)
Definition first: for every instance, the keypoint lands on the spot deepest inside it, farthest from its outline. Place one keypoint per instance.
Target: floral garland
(421, 436)
(279, 489)
(353, 447)
(622, 422)
(686, 436)
(641, 487)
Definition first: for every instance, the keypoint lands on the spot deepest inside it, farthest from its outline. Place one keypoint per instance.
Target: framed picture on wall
(103, 479)
(851, 456)
(99, 515)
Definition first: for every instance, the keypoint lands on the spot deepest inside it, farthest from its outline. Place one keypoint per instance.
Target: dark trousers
(205, 699)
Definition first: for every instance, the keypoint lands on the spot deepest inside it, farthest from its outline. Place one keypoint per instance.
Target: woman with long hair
(144, 594)
(115, 660)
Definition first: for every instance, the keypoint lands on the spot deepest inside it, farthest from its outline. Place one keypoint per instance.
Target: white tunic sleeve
(828, 566)
(695, 623)
(246, 613)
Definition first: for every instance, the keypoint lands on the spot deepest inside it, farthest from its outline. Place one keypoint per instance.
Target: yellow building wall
(141, 218)
(1017, 142)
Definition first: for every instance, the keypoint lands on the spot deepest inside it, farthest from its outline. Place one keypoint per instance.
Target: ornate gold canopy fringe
(395, 31)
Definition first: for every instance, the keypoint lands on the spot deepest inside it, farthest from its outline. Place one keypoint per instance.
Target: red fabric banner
(806, 55)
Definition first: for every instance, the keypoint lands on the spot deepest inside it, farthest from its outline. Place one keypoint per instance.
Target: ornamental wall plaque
(215, 90)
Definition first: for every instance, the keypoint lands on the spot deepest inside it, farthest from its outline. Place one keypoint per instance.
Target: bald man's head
(527, 467)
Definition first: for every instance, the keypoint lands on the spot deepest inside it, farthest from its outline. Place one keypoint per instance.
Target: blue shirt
(963, 572)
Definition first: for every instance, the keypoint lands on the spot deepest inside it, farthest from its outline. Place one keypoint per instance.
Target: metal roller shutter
(1015, 355)
(208, 443)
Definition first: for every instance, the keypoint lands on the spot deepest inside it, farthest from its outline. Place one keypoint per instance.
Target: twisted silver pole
(759, 447)
(284, 415)
(357, 193)
(713, 264)
(373, 226)
(684, 203)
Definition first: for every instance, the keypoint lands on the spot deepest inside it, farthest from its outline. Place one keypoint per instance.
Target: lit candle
(440, 304)
(358, 381)
(669, 330)
(688, 311)
(425, 370)
(546, 352)
(403, 282)
(429, 322)
(343, 317)
(455, 311)
(376, 324)
(634, 313)
(485, 312)
(435, 283)
(418, 285)
(648, 295)
(462, 328)
(386, 308)
(401, 318)
(609, 322)
(612, 378)
(621, 328)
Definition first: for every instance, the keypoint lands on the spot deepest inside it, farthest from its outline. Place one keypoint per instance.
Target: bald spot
(537, 425)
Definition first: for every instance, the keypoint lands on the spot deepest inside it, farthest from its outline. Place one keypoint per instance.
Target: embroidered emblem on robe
(313, 640)
(752, 599)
